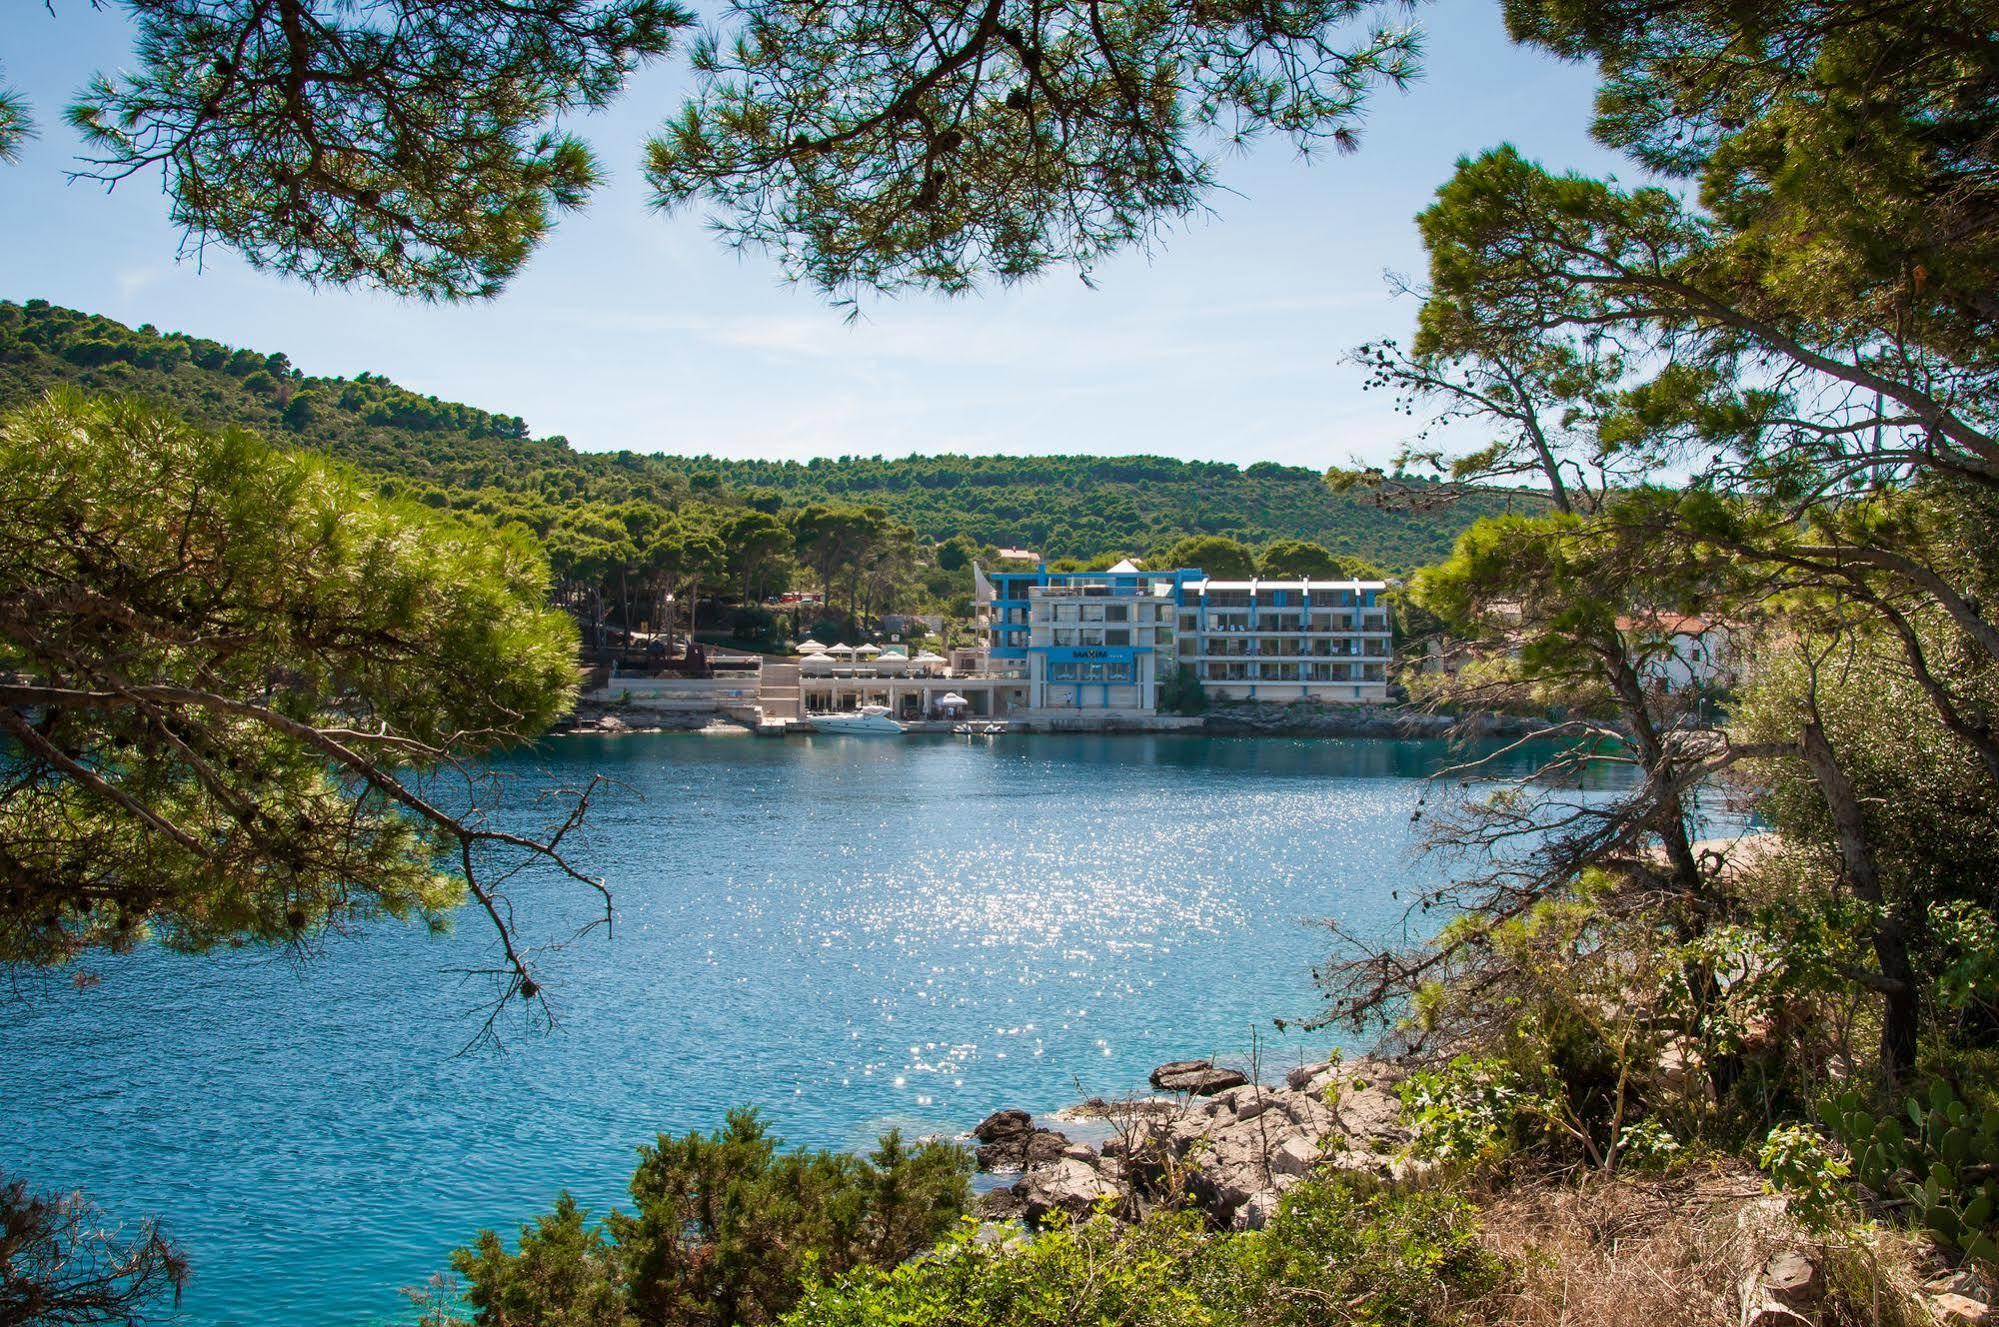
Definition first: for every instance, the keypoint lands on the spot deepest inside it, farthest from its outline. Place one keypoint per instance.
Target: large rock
(1068, 1185)
(1001, 1124)
(1230, 1147)
(1300, 1079)
(1956, 1310)
(1785, 1292)
(1008, 1140)
(1200, 1078)
(1256, 1211)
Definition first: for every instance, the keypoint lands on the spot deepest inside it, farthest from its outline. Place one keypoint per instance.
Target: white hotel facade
(1108, 641)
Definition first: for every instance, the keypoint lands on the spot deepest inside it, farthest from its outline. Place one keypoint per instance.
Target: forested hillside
(1062, 506)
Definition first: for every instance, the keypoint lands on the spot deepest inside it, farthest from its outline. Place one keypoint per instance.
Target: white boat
(871, 720)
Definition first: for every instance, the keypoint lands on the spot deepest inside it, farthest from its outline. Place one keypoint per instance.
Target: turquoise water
(849, 933)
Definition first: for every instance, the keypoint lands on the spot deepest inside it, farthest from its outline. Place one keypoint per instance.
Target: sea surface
(847, 933)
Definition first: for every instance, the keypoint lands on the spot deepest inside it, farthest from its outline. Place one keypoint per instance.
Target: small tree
(1181, 692)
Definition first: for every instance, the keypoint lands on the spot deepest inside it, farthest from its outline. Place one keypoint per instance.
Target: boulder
(999, 1205)
(1001, 1124)
(1008, 1140)
(1956, 1310)
(1785, 1292)
(1371, 1115)
(1299, 1079)
(1790, 1278)
(1200, 1078)
(1070, 1186)
(1294, 1156)
(1256, 1211)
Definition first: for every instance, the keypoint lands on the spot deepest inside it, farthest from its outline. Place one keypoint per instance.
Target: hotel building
(1108, 640)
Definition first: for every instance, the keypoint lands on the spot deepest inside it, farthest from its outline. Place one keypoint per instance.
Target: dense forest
(1062, 506)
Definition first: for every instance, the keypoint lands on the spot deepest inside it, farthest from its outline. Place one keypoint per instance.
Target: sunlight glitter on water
(847, 935)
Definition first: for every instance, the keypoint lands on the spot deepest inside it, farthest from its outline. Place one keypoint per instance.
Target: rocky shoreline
(1250, 719)
(1230, 1147)
(1221, 1142)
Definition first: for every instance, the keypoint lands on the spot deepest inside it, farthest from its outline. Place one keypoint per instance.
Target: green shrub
(1466, 1111)
(1181, 692)
(1095, 1273)
(1348, 1251)
(1341, 1252)
(726, 1230)
(1801, 1165)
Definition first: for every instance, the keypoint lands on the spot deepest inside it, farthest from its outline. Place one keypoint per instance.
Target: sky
(630, 329)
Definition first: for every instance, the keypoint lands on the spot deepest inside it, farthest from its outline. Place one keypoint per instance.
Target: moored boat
(869, 720)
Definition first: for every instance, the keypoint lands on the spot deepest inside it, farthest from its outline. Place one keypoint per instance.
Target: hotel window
(1189, 622)
(1065, 635)
(1117, 612)
(1117, 635)
(1093, 612)
(1092, 636)
(1115, 674)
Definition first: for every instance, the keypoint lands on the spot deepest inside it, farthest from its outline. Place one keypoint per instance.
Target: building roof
(1670, 624)
(1260, 584)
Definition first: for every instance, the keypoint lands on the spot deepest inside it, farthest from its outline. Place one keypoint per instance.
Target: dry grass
(1673, 1252)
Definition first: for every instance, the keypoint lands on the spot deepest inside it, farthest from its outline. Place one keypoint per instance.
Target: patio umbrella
(810, 647)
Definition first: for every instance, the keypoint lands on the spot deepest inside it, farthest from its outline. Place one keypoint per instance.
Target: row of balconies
(1368, 626)
(1282, 649)
(1291, 673)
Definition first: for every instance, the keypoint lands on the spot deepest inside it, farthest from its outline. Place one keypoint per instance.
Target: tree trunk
(1699, 904)
(1901, 1015)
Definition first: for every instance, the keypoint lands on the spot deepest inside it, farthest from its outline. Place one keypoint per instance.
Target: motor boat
(871, 720)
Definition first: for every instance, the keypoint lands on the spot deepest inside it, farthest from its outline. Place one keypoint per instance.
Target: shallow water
(848, 933)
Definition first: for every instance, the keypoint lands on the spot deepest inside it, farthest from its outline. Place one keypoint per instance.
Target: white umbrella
(950, 700)
(810, 647)
(816, 662)
(892, 653)
(840, 648)
(869, 650)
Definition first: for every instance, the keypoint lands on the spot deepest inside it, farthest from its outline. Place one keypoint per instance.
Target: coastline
(1241, 719)
(1211, 1136)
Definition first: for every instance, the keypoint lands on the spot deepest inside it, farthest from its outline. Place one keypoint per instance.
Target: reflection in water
(846, 933)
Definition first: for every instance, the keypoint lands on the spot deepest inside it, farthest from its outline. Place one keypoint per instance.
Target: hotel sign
(1092, 653)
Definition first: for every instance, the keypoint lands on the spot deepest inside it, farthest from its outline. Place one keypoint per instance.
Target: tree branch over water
(244, 696)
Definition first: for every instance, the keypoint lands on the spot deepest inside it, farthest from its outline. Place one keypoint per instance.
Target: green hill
(1062, 506)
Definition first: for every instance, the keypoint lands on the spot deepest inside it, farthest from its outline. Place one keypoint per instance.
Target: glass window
(1117, 635)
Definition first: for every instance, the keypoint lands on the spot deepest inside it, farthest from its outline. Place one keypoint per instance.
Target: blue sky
(629, 329)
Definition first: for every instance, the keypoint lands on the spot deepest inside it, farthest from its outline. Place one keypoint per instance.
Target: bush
(1093, 1274)
(1182, 693)
(1367, 1255)
(1341, 1252)
(727, 1230)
